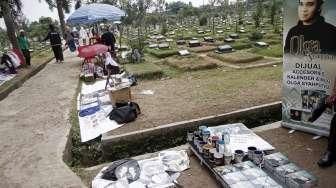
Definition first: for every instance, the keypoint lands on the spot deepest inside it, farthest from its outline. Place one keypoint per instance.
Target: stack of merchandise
(245, 174)
(288, 173)
(160, 171)
(88, 71)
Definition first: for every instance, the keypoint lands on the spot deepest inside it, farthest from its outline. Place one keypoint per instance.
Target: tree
(257, 15)
(175, 7)
(60, 5)
(136, 12)
(10, 9)
(39, 29)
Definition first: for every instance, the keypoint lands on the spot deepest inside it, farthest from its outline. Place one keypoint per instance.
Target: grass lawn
(144, 70)
(162, 53)
(236, 57)
(191, 63)
(271, 51)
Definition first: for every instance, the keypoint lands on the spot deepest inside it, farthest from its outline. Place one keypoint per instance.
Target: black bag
(127, 112)
(133, 80)
(111, 172)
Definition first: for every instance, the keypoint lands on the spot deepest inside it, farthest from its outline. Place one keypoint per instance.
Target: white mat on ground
(94, 125)
(5, 77)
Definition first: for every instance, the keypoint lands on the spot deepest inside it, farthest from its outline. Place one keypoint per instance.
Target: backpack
(125, 112)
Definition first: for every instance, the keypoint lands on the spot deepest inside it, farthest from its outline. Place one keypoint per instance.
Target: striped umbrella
(95, 12)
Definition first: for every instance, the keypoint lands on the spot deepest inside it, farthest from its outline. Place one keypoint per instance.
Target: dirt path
(34, 128)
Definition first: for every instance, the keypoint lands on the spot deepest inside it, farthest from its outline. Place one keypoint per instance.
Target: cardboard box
(120, 95)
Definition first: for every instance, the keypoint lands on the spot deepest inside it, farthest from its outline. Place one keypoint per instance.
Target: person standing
(56, 43)
(329, 155)
(109, 40)
(69, 38)
(24, 46)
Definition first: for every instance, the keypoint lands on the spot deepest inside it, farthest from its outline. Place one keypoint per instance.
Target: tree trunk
(9, 22)
(61, 15)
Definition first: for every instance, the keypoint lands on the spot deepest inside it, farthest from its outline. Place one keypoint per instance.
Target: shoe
(326, 160)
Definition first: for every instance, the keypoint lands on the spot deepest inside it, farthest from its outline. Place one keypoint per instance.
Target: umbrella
(91, 50)
(95, 12)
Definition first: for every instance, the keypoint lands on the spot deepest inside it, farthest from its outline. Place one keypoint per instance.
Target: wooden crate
(120, 95)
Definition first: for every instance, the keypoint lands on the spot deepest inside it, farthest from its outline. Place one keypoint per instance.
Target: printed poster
(309, 67)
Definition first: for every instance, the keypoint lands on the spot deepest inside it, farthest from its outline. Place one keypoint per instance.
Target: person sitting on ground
(7, 61)
(56, 43)
(24, 46)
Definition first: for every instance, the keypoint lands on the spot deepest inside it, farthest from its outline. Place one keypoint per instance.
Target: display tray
(211, 167)
(247, 174)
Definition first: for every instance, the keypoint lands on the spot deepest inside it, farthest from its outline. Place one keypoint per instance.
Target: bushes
(203, 21)
(256, 35)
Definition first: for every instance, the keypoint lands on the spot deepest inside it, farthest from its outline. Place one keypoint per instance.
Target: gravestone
(224, 49)
(200, 32)
(184, 52)
(194, 43)
(180, 42)
(171, 33)
(169, 40)
(209, 39)
(234, 36)
(261, 44)
(153, 45)
(242, 31)
(163, 46)
(220, 31)
(229, 40)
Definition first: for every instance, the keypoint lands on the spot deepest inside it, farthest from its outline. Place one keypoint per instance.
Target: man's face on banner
(307, 10)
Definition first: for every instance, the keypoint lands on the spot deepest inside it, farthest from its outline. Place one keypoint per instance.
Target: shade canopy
(95, 12)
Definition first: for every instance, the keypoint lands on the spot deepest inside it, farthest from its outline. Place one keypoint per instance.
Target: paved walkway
(34, 128)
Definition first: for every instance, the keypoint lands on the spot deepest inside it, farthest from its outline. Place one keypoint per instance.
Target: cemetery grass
(189, 95)
(191, 63)
(272, 51)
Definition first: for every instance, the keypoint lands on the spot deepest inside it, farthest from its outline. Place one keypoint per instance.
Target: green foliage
(175, 7)
(4, 42)
(256, 35)
(257, 15)
(164, 28)
(203, 21)
(39, 29)
(272, 51)
(148, 71)
(162, 53)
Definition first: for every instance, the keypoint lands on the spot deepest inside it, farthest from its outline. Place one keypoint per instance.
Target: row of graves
(168, 46)
(232, 154)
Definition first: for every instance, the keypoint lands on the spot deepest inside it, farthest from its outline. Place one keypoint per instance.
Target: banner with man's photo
(309, 65)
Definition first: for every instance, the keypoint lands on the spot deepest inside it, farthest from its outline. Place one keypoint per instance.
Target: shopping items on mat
(161, 171)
